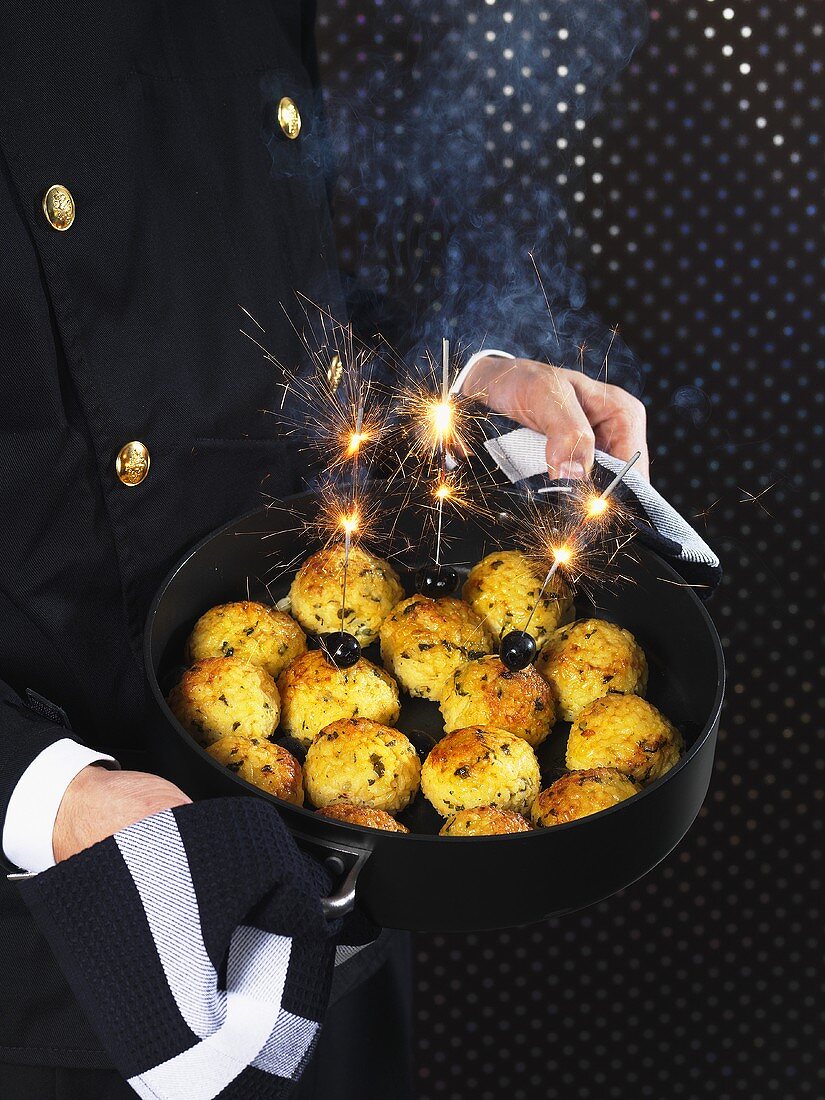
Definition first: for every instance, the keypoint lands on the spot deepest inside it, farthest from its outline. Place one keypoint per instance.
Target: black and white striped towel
(520, 455)
(196, 944)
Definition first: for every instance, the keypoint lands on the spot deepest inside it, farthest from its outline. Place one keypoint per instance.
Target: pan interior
(257, 557)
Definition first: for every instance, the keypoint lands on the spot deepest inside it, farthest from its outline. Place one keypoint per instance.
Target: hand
(99, 803)
(574, 412)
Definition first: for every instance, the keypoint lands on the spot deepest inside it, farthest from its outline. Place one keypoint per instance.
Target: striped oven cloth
(520, 455)
(196, 944)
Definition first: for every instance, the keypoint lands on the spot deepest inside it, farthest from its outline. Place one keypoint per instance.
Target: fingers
(618, 419)
(542, 398)
(574, 412)
(570, 438)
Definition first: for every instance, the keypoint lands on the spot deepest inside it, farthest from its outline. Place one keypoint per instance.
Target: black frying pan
(422, 881)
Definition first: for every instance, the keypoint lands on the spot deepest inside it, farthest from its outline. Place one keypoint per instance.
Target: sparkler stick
(341, 647)
(349, 523)
(445, 370)
(562, 557)
(438, 580)
(443, 489)
(620, 476)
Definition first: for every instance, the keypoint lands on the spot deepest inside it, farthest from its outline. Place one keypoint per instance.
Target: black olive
(518, 650)
(437, 580)
(340, 648)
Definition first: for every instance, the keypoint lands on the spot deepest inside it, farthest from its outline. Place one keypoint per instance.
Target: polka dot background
(695, 194)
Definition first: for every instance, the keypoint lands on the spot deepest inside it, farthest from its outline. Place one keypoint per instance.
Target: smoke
(446, 160)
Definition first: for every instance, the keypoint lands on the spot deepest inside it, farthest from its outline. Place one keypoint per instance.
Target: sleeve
(40, 759)
(461, 377)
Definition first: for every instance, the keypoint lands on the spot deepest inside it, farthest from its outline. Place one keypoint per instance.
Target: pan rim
(365, 833)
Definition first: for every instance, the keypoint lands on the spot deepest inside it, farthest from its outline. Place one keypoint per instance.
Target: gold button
(132, 463)
(58, 206)
(289, 118)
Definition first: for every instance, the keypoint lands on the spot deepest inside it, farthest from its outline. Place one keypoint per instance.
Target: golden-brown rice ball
(486, 693)
(263, 764)
(503, 587)
(484, 821)
(424, 641)
(355, 814)
(475, 767)
(578, 794)
(627, 733)
(373, 589)
(315, 693)
(222, 695)
(249, 630)
(356, 760)
(589, 659)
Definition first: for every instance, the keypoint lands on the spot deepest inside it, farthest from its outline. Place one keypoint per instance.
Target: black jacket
(161, 120)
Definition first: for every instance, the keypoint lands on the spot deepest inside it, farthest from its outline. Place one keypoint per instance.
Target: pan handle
(344, 863)
(342, 899)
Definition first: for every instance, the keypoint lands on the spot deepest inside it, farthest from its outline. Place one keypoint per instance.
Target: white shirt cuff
(36, 798)
(471, 362)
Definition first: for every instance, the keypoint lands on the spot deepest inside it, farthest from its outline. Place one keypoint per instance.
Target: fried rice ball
(267, 766)
(355, 814)
(478, 766)
(578, 794)
(249, 630)
(357, 760)
(627, 733)
(484, 821)
(591, 658)
(315, 693)
(373, 589)
(222, 695)
(503, 587)
(424, 641)
(486, 693)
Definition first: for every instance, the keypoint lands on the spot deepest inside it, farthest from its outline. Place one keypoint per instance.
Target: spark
(355, 442)
(546, 299)
(442, 415)
(614, 332)
(349, 523)
(595, 507)
(707, 511)
(251, 318)
(756, 498)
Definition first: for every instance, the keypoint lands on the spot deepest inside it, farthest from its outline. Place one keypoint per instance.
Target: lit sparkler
(341, 416)
(335, 406)
(437, 430)
(436, 426)
(567, 553)
(442, 415)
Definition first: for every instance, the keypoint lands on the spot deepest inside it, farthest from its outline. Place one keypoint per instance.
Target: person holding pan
(137, 207)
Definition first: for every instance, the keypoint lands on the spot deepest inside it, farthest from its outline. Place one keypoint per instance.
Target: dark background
(697, 205)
